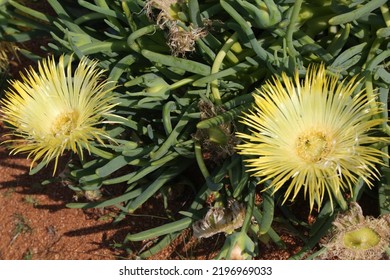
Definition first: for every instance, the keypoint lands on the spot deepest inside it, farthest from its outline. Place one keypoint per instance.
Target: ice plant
(314, 135)
(53, 109)
(356, 237)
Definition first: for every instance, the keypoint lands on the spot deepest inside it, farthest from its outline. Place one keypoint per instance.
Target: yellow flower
(314, 135)
(53, 109)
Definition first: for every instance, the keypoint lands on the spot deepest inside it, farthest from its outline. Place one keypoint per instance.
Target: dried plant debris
(8, 51)
(220, 219)
(181, 41)
(171, 17)
(217, 142)
(356, 237)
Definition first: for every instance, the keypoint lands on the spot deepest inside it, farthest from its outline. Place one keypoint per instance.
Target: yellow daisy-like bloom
(313, 135)
(53, 109)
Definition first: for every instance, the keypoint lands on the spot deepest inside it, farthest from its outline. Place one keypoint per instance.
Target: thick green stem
(386, 14)
(132, 39)
(100, 153)
(246, 28)
(372, 61)
(100, 47)
(249, 210)
(200, 161)
(291, 28)
(217, 64)
(340, 200)
(184, 81)
(357, 13)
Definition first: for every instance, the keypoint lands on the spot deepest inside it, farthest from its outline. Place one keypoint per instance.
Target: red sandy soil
(36, 224)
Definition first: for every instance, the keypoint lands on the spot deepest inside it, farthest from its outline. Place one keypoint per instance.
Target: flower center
(313, 145)
(361, 239)
(64, 123)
